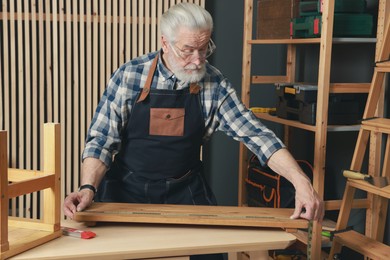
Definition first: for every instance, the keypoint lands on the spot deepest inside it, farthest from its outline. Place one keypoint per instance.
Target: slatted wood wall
(56, 58)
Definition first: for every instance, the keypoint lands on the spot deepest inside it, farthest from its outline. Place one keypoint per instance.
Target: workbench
(160, 241)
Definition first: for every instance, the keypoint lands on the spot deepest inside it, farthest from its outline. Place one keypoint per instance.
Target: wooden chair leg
(4, 244)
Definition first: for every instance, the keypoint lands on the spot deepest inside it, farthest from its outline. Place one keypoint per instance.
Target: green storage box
(311, 8)
(345, 25)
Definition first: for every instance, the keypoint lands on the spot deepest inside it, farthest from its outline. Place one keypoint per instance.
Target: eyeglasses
(203, 53)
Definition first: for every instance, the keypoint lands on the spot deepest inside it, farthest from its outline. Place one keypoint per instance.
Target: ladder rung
(383, 66)
(364, 185)
(364, 245)
(381, 125)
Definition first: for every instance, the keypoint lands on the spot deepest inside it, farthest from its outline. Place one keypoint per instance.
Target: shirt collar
(163, 70)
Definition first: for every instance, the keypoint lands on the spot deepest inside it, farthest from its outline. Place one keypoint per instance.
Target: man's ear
(164, 43)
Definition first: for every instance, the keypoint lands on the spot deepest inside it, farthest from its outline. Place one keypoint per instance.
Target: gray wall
(221, 153)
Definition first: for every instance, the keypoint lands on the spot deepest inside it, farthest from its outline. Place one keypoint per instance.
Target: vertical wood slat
(114, 38)
(62, 73)
(128, 31)
(28, 81)
(35, 101)
(102, 42)
(134, 28)
(62, 56)
(108, 38)
(67, 119)
(121, 32)
(13, 67)
(76, 87)
(49, 64)
(95, 79)
(81, 100)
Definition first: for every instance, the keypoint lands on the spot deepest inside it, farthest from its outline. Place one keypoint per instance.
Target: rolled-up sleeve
(233, 118)
(103, 139)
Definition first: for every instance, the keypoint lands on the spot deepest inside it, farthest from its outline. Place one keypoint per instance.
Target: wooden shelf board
(364, 245)
(311, 40)
(292, 123)
(297, 124)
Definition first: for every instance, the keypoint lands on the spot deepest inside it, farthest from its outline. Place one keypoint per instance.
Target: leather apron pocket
(167, 121)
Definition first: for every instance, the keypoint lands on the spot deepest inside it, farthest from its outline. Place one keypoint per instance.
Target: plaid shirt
(222, 110)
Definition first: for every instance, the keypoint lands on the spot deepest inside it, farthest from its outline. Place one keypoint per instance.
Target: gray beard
(182, 73)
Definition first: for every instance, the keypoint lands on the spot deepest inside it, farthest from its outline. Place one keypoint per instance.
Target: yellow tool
(263, 109)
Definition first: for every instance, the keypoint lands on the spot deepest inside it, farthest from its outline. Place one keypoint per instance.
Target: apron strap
(148, 83)
(194, 88)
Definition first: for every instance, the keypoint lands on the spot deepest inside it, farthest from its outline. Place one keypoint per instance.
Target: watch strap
(88, 186)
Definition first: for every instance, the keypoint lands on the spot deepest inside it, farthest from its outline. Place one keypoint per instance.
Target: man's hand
(308, 204)
(77, 201)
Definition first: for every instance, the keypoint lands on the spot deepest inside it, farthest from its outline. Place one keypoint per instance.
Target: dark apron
(159, 161)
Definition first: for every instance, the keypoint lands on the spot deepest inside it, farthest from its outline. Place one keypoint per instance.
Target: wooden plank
(26, 223)
(190, 215)
(16, 175)
(29, 186)
(52, 159)
(269, 79)
(320, 138)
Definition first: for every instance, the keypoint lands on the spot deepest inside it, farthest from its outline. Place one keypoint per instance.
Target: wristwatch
(88, 186)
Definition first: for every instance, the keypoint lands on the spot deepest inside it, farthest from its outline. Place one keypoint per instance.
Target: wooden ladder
(369, 244)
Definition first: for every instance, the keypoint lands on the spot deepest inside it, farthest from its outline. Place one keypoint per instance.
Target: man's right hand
(77, 201)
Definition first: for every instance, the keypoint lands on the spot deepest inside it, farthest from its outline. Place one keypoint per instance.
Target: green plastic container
(311, 8)
(345, 25)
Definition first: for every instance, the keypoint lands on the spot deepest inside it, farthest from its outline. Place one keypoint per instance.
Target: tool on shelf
(379, 182)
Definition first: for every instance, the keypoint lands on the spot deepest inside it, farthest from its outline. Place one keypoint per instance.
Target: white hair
(187, 15)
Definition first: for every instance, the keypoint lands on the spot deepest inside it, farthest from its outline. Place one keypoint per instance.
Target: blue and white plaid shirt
(222, 110)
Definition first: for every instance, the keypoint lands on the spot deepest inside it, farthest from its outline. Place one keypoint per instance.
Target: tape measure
(262, 109)
(309, 239)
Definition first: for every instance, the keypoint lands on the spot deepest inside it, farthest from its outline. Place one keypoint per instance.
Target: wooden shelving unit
(325, 87)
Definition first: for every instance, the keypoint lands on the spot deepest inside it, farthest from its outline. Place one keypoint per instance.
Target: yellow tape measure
(263, 109)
